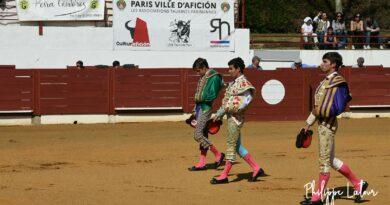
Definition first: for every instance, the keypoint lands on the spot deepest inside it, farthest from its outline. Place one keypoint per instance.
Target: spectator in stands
(255, 63)
(372, 31)
(357, 29)
(307, 32)
(330, 39)
(79, 64)
(340, 30)
(116, 64)
(360, 63)
(130, 66)
(322, 26)
(299, 65)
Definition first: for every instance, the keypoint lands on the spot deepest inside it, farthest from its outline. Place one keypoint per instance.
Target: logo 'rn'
(218, 24)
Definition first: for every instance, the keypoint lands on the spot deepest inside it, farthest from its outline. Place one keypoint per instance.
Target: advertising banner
(187, 25)
(60, 10)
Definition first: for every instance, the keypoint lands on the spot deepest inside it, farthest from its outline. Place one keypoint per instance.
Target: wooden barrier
(111, 91)
(16, 91)
(7, 66)
(73, 91)
(136, 89)
(370, 88)
(294, 105)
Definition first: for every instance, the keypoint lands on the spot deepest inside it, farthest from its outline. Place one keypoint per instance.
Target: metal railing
(296, 41)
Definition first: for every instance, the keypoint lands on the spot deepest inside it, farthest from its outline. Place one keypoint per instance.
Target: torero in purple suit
(331, 98)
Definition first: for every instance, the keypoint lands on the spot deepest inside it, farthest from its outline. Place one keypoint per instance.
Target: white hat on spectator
(307, 19)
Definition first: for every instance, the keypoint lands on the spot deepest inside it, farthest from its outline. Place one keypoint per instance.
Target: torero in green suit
(207, 91)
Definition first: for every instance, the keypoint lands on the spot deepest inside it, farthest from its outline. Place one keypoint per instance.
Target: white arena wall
(62, 46)
(371, 57)
(272, 59)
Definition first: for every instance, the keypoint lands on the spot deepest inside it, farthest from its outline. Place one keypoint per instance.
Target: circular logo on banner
(121, 4)
(24, 4)
(273, 92)
(94, 4)
(225, 7)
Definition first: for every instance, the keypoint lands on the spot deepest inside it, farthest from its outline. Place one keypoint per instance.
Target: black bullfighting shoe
(219, 163)
(219, 181)
(308, 202)
(358, 198)
(193, 168)
(254, 178)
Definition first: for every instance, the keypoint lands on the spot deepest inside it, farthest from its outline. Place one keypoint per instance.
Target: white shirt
(307, 28)
(248, 99)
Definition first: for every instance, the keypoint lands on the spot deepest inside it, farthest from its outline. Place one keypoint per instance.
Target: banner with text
(60, 10)
(188, 25)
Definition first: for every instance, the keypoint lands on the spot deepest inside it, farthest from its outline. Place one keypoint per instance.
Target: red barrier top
(282, 94)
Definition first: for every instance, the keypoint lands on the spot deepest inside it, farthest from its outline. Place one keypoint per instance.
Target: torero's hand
(306, 128)
(215, 118)
(219, 114)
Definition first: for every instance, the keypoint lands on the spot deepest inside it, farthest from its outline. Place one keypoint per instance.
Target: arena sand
(146, 163)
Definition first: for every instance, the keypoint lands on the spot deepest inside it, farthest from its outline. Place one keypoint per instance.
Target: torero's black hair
(237, 63)
(334, 57)
(200, 63)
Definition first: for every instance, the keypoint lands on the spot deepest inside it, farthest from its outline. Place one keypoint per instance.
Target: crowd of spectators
(115, 64)
(322, 33)
(255, 65)
(298, 64)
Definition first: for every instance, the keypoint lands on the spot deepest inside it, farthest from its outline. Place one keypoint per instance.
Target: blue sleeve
(198, 111)
(308, 66)
(340, 101)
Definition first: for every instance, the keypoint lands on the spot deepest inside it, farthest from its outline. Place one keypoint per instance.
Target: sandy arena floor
(146, 163)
